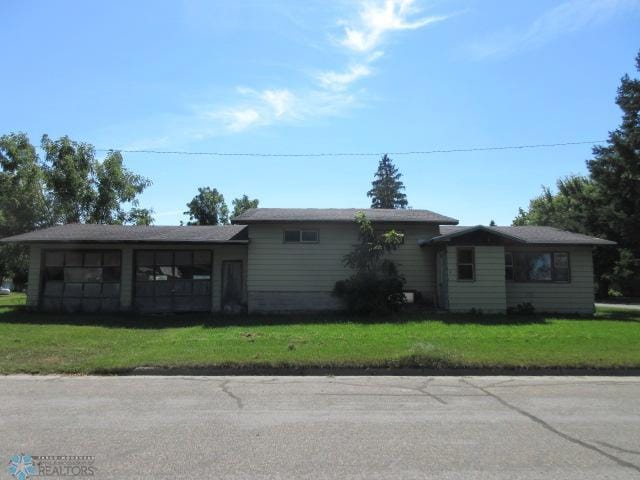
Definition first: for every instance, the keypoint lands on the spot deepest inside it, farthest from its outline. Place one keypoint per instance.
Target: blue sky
(320, 76)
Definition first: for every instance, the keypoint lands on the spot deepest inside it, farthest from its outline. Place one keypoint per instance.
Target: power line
(355, 154)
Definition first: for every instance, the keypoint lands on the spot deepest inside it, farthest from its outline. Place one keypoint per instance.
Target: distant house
(283, 260)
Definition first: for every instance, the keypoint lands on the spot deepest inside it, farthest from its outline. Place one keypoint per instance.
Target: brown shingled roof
(92, 233)
(254, 215)
(526, 234)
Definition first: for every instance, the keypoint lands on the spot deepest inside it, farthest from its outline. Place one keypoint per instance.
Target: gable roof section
(93, 233)
(530, 235)
(257, 215)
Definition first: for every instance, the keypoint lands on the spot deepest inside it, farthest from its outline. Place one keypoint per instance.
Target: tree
(140, 216)
(242, 204)
(387, 186)
(492, 223)
(82, 189)
(607, 202)
(207, 208)
(22, 203)
(376, 285)
(70, 185)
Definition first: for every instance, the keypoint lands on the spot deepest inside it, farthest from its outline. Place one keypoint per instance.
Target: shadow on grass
(19, 315)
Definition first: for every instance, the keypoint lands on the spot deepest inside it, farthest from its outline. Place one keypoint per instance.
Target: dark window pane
(561, 260)
(508, 259)
(465, 255)
(309, 236)
(111, 259)
(561, 275)
(54, 259)
(73, 259)
(111, 290)
(92, 290)
(144, 273)
(201, 272)
(92, 259)
(53, 289)
(201, 287)
(508, 273)
(111, 274)
(292, 235)
(182, 287)
(539, 266)
(144, 258)
(144, 289)
(202, 257)
(164, 258)
(164, 272)
(92, 275)
(74, 274)
(183, 258)
(185, 272)
(465, 272)
(73, 289)
(54, 273)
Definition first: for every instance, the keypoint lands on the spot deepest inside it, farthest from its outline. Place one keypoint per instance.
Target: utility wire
(355, 154)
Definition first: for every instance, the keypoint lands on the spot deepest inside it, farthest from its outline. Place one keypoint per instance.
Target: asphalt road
(324, 427)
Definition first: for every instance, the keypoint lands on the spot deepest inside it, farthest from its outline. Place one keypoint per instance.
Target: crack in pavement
(224, 386)
(620, 449)
(547, 426)
(421, 389)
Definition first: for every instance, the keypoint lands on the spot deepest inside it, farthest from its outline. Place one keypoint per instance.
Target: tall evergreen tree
(607, 202)
(387, 186)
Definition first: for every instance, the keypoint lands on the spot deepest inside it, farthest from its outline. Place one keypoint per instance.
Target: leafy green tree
(376, 285)
(242, 204)
(82, 189)
(207, 208)
(607, 202)
(386, 191)
(22, 203)
(140, 216)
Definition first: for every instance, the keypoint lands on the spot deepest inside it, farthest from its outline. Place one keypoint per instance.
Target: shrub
(524, 308)
(376, 286)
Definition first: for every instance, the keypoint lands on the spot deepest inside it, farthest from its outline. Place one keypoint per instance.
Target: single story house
(283, 260)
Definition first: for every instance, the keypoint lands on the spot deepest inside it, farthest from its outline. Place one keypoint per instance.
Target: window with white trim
(537, 266)
(465, 257)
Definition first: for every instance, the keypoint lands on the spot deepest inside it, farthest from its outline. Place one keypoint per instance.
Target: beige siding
(275, 266)
(33, 286)
(577, 296)
(487, 291)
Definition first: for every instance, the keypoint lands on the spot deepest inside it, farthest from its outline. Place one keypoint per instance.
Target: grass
(57, 343)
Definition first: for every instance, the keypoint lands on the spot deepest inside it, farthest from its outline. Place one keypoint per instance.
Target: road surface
(325, 427)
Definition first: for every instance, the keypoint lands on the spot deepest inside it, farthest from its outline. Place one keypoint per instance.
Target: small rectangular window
(466, 264)
(292, 236)
(561, 267)
(508, 266)
(309, 236)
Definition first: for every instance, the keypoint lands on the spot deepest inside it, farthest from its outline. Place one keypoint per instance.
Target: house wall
(487, 292)
(220, 254)
(577, 296)
(289, 277)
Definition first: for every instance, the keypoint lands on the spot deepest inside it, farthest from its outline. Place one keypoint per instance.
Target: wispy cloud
(565, 18)
(342, 80)
(377, 19)
(323, 93)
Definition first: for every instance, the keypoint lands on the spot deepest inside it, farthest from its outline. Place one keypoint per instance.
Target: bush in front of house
(376, 285)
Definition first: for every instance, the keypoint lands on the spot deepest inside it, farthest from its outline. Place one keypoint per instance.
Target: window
(508, 266)
(87, 280)
(466, 264)
(301, 236)
(537, 266)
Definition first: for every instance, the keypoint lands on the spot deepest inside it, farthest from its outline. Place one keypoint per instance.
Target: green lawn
(50, 343)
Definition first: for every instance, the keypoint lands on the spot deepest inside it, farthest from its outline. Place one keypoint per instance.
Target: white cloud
(281, 101)
(377, 19)
(342, 80)
(565, 18)
(237, 119)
